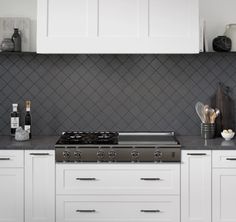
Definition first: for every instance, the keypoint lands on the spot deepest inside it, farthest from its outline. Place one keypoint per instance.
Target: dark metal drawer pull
(230, 158)
(5, 158)
(150, 211)
(150, 179)
(40, 154)
(197, 154)
(86, 178)
(85, 211)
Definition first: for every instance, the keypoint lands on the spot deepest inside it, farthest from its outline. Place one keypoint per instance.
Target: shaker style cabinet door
(39, 186)
(196, 186)
(223, 186)
(11, 195)
(118, 26)
(224, 195)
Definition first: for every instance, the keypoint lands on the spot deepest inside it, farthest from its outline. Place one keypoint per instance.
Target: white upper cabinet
(118, 26)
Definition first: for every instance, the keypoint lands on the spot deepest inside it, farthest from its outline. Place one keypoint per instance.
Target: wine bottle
(15, 119)
(16, 38)
(27, 126)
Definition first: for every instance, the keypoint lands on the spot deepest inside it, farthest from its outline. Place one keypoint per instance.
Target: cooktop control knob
(77, 155)
(135, 155)
(158, 155)
(66, 155)
(112, 155)
(100, 155)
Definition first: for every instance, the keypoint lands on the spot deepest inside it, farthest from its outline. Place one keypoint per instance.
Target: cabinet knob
(150, 179)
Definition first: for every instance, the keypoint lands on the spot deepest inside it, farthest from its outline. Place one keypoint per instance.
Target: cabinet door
(11, 195)
(224, 195)
(39, 186)
(118, 26)
(196, 186)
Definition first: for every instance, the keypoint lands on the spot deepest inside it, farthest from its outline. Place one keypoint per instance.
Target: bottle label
(27, 128)
(15, 122)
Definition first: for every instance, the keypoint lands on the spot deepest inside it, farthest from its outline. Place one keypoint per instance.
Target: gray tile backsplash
(112, 92)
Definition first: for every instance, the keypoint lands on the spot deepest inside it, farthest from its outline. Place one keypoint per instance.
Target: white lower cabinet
(11, 186)
(118, 192)
(39, 186)
(11, 195)
(117, 208)
(224, 186)
(196, 186)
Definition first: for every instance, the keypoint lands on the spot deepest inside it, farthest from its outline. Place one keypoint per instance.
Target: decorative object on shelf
(222, 44)
(7, 45)
(208, 117)
(230, 32)
(16, 38)
(225, 103)
(228, 134)
(21, 135)
(23, 24)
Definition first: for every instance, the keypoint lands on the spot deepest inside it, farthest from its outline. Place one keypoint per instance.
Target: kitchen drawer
(11, 158)
(118, 178)
(224, 158)
(118, 208)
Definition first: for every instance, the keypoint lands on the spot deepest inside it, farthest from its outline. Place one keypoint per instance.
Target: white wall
(217, 14)
(21, 8)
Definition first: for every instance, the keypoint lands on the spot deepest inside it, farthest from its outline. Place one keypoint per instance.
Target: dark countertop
(36, 143)
(197, 143)
(48, 142)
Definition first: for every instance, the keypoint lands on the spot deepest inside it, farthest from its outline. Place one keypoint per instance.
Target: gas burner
(88, 138)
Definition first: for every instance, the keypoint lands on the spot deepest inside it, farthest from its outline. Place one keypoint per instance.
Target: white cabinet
(39, 186)
(11, 195)
(103, 208)
(117, 192)
(224, 184)
(118, 26)
(11, 186)
(196, 186)
(135, 179)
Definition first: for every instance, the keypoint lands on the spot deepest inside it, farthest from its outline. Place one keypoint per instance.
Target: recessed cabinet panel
(39, 186)
(118, 18)
(11, 195)
(118, 208)
(67, 18)
(168, 18)
(196, 186)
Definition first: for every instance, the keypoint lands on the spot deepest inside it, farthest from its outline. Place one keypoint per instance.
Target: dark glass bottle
(15, 119)
(16, 38)
(28, 122)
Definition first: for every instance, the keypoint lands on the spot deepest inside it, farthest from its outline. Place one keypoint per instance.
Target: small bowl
(227, 136)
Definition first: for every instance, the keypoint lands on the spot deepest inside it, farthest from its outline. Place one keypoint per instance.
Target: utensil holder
(208, 130)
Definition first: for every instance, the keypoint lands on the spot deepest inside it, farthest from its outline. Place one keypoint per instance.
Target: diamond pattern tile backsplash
(112, 92)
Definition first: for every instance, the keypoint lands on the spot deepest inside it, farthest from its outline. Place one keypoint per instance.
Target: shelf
(18, 53)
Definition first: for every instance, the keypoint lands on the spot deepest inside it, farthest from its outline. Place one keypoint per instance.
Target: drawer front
(117, 208)
(118, 179)
(224, 158)
(11, 158)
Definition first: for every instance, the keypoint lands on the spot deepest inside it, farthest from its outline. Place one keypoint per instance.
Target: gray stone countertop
(197, 143)
(36, 143)
(48, 142)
